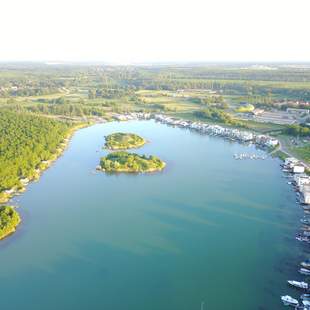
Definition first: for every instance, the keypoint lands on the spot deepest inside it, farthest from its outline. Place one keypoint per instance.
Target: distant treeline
(57, 109)
(298, 130)
(114, 82)
(243, 88)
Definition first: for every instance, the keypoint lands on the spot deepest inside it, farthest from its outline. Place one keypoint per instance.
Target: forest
(122, 141)
(26, 140)
(130, 162)
(9, 220)
(215, 114)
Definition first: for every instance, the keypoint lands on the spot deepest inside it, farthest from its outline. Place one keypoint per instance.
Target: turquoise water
(207, 229)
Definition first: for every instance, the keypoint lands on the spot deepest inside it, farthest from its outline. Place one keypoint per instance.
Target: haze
(135, 31)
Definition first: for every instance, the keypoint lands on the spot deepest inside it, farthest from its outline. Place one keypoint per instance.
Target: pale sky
(121, 31)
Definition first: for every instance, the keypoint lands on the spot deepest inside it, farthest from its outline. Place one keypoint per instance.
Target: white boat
(304, 271)
(305, 297)
(302, 285)
(306, 303)
(305, 263)
(289, 301)
(303, 238)
(305, 221)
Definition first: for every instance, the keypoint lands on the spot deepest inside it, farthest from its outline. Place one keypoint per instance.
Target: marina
(244, 156)
(231, 134)
(300, 182)
(292, 168)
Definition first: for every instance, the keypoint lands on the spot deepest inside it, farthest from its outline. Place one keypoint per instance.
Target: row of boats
(305, 298)
(242, 156)
(290, 301)
(303, 236)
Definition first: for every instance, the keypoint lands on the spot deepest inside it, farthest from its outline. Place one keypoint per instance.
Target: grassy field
(303, 152)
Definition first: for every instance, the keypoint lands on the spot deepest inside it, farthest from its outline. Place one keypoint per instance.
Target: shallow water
(207, 229)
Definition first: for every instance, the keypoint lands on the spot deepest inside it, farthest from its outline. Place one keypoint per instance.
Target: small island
(9, 220)
(130, 162)
(123, 141)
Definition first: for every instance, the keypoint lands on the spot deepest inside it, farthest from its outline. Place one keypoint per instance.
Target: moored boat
(289, 301)
(306, 303)
(305, 263)
(305, 221)
(297, 284)
(303, 238)
(305, 297)
(304, 271)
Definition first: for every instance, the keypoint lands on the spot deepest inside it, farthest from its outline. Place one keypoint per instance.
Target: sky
(144, 31)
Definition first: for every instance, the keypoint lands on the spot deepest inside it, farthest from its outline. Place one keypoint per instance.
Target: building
(290, 162)
(257, 112)
(298, 169)
(297, 111)
(272, 142)
(306, 194)
(301, 179)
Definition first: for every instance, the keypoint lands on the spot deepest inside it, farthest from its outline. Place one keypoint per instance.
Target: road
(283, 149)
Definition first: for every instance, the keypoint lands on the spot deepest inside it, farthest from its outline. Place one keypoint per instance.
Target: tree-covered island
(122, 141)
(9, 220)
(130, 162)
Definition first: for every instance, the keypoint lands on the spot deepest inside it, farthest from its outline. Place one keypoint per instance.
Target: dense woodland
(130, 162)
(298, 130)
(122, 141)
(9, 219)
(214, 114)
(25, 141)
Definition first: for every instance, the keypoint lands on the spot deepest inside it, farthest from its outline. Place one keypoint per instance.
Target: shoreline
(63, 145)
(11, 193)
(99, 168)
(11, 231)
(124, 148)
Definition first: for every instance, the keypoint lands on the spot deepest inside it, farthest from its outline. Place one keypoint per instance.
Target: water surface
(207, 229)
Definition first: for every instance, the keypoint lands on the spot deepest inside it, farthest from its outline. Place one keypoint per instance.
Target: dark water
(207, 229)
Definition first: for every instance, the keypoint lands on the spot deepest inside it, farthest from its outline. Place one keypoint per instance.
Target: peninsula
(9, 220)
(123, 141)
(130, 162)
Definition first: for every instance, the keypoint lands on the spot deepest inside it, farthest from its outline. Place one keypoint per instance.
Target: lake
(208, 229)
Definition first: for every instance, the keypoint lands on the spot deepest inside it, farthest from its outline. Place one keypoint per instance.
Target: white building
(301, 179)
(272, 142)
(298, 169)
(290, 160)
(306, 197)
